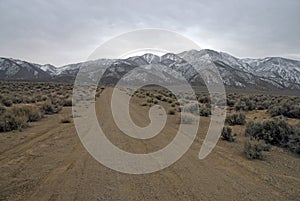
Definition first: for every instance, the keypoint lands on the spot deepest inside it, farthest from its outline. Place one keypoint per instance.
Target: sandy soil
(48, 162)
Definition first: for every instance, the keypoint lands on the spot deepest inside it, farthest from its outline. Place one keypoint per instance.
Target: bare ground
(48, 162)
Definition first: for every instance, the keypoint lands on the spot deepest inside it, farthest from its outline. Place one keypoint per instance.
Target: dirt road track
(48, 162)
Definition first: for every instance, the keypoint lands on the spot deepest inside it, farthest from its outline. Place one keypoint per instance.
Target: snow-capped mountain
(21, 70)
(279, 71)
(267, 73)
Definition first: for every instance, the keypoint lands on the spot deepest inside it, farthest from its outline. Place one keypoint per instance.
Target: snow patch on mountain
(263, 73)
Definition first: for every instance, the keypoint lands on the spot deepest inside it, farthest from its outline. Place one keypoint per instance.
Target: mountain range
(261, 74)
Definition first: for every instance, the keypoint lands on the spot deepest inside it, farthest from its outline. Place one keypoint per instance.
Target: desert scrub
(40, 98)
(48, 108)
(17, 99)
(171, 112)
(149, 100)
(192, 108)
(188, 118)
(240, 106)
(276, 131)
(204, 111)
(67, 102)
(10, 122)
(6, 101)
(17, 118)
(66, 119)
(31, 112)
(230, 102)
(254, 148)
(2, 109)
(287, 109)
(144, 104)
(293, 143)
(170, 100)
(236, 119)
(227, 134)
(56, 100)
(204, 99)
(98, 93)
(158, 96)
(245, 104)
(263, 106)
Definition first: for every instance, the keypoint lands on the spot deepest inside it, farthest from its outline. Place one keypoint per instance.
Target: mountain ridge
(266, 73)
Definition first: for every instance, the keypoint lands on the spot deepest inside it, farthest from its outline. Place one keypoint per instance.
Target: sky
(60, 32)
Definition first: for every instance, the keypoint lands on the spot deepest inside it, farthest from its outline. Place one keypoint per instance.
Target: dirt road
(48, 162)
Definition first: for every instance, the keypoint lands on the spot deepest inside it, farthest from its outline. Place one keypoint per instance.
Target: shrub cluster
(22, 102)
(227, 134)
(245, 105)
(287, 109)
(187, 118)
(6, 102)
(204, 111)
(65, 120)
(171, 112)
(230, 102)
(254, 148)
(18, 117)
(275, 131)
(293, 143)
(236, 119)
(192, 108)
(49, 108)
(204, 99)
(67, 102)
(31, 112)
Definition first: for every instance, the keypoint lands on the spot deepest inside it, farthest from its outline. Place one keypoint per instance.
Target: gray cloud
(61, 32)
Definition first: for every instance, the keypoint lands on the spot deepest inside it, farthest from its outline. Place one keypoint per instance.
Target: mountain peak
(172, 57)
(267, 73)
(151, 58)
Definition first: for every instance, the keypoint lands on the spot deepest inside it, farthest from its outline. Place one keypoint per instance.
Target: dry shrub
(287, 109)
(6, 101)
(2, 109)
(276, 131)
(204, 99)
(144, 104)
(18, 117)
(294, 140)
(66, 119)
(171, 112)
(49, 108)
(9, 122)
(187, 118)
(254, 148)
(192, 108)
(227, 134)
(67, 102)
(236, 119)
(230, 102)
(204, 111)
(31, 112)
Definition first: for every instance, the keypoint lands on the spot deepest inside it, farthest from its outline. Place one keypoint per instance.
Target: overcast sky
(61, 32)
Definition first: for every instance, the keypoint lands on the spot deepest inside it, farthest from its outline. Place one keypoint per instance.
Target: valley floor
(48, 162)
